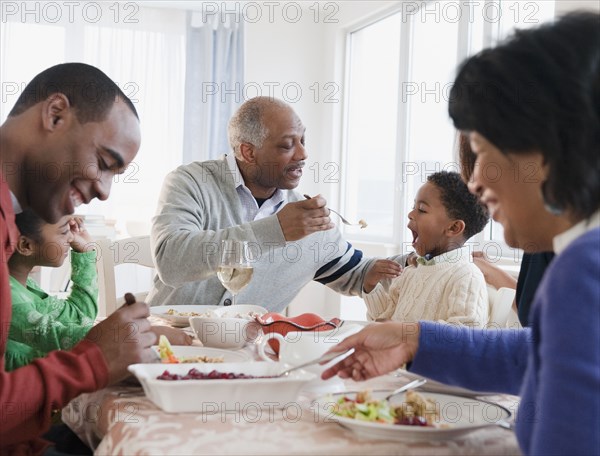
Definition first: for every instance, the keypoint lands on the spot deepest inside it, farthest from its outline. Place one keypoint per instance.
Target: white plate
(229, 356)
(212, 396)
(182, 314)
(461, 415)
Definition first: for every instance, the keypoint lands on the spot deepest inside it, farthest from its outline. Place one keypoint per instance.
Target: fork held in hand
(360, 223)
(321, 359)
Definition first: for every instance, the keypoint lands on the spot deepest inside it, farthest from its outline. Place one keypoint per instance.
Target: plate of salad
(180, 354)
(410, 416)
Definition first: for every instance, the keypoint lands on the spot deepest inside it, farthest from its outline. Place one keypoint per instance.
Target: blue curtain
(213, 83)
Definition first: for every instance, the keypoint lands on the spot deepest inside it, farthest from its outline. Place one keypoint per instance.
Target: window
(503, 19)
(397, 130)
(429, 131)
(372, 125)
(143, 52)
(45, 42)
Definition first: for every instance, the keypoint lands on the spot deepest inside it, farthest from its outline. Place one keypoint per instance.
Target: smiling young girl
(42, 322)
(444, 284)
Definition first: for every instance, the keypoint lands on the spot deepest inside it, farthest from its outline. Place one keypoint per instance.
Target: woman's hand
(378, 349)
(492, 274)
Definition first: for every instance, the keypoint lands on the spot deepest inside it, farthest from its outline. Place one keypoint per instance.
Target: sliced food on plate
(415, 410)
(180, 354)
(415, 416)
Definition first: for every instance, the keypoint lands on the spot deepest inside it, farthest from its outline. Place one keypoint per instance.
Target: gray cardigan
(198, 207)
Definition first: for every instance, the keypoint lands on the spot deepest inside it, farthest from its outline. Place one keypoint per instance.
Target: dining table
(121, 420)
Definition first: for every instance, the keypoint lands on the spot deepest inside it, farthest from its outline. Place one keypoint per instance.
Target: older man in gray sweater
(249, 195)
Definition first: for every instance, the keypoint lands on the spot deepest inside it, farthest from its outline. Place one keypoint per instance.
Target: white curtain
(213, 83)
(148, 63)
(146, 57)
(166, 61)
(42, 44)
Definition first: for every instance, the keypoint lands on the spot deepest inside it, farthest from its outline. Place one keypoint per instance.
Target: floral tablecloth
(120, 420)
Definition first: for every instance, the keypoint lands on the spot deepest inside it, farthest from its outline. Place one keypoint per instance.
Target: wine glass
(235, 270)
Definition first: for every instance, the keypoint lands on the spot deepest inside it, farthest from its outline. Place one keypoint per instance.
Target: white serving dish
(229, 327)
(231, 333)
(211, 396)
(182, 314)
(240, 311)
(188, 351)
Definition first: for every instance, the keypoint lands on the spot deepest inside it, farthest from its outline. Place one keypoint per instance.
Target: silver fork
(360, 223)
(414, 384)
(321, 359)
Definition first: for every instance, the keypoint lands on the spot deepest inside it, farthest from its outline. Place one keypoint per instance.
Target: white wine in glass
(235, 270)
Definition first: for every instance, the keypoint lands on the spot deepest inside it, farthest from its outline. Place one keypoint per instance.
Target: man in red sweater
(71, 130)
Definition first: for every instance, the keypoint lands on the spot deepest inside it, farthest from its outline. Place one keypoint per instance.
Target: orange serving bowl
(276, 323)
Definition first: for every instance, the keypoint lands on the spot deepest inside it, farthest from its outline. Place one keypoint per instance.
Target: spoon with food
(362, 223)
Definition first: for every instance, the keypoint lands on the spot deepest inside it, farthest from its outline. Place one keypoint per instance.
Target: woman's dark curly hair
(460, 204)
(540, 91)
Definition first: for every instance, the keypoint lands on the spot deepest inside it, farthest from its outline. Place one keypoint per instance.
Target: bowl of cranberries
(213, 387)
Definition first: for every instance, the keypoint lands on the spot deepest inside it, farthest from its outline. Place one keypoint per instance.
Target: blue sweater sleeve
(562, 392)
(559, 377)
(479, 359)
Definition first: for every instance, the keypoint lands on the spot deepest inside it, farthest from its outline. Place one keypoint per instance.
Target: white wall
(302, 54)
(307, 54)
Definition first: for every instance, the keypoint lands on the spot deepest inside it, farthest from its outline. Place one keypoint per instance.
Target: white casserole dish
(209, 396)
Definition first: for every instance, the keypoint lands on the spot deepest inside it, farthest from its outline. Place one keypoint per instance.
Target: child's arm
(381, 302)
(381, 269)
(45, 323)
(41, 323)
(82, 241)
(81, 306)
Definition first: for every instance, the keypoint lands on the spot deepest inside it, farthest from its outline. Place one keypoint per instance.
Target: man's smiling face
(281, 157)
(77, 162)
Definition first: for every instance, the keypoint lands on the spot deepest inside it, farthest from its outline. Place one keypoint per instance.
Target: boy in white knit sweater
(443, 284)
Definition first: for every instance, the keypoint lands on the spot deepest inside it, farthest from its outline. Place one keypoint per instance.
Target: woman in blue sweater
(531, 108)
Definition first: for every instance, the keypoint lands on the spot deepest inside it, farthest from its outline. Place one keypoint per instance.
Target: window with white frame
(397, 131)
(141, 49)
(372, 123)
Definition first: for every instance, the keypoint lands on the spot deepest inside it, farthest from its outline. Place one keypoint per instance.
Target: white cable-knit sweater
(451, 290)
